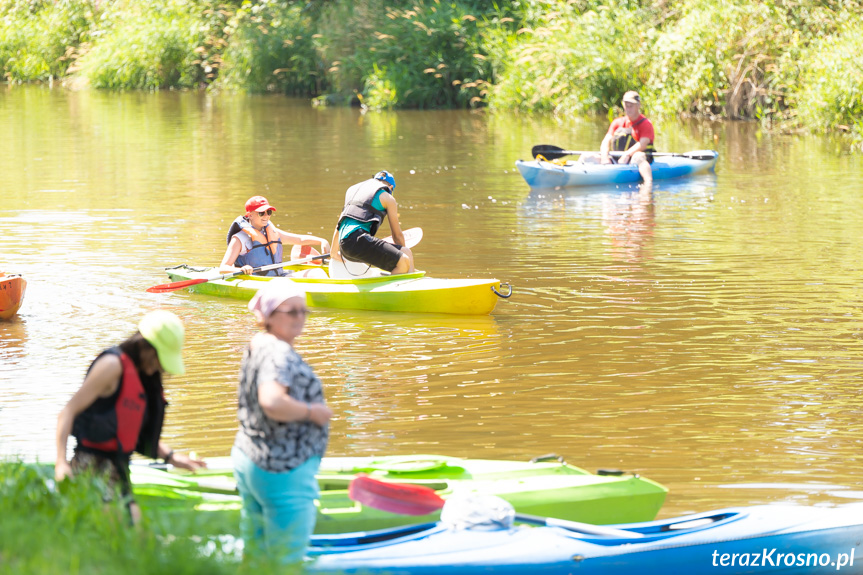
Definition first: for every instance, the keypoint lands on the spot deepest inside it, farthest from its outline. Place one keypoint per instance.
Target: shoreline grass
(68, 528)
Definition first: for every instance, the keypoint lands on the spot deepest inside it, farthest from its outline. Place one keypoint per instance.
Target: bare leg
(640, 160)
(135, 512)
(406, 263)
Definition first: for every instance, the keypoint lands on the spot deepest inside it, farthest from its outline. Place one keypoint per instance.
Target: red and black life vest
(129, 420)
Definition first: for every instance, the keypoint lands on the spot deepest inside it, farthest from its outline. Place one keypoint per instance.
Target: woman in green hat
(121, 406)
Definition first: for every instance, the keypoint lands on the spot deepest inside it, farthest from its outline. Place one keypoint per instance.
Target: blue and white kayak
(761, 539)
(540, 173)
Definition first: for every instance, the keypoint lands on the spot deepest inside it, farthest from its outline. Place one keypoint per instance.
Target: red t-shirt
(641, 128)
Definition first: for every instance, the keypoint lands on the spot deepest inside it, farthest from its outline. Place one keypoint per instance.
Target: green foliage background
(791, 64)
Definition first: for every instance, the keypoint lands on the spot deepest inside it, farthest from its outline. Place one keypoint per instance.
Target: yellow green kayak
(545, 486)
(414, 292)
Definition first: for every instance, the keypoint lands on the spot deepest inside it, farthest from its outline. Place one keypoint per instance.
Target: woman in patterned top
(283, 429)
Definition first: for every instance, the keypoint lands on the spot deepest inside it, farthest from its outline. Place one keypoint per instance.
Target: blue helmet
(387, 177)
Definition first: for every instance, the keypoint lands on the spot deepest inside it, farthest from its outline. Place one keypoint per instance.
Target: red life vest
(114, 424)
(627, 136)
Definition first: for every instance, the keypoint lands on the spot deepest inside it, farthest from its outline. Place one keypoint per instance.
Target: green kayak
(545, 486)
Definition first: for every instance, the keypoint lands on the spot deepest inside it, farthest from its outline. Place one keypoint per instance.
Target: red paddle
(408, 499)
(401, 498)
(162, 288)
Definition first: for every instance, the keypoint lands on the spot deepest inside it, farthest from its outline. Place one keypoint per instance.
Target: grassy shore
(69, 529)
(790, 64)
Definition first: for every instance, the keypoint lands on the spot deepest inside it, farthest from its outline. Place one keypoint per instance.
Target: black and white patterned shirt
(275, 446)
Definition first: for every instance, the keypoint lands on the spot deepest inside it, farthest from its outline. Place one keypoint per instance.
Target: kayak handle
(499, 294)
(548, 457)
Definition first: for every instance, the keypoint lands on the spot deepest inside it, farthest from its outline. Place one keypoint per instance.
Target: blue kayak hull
(764, 539)
(542, 174)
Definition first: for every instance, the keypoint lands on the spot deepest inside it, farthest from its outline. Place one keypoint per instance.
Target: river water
(707, 337)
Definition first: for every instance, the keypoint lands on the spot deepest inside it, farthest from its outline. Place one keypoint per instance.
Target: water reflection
(707, 337)
(629, 221)
(13, 342)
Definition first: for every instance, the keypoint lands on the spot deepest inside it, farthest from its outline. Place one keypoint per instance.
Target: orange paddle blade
(301, 252)
(162, 288)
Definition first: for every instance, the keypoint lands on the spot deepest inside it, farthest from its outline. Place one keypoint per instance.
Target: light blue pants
(279, 512)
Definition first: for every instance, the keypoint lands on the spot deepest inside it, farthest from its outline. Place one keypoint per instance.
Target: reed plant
(577, 58)
(739, 61)
(146, 46)
(270, 47)
(416, 54)
(40, 39)
(829, 96)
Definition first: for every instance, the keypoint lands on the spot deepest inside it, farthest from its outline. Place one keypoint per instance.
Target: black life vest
(358, 203)
(129, 420)
(623, 139)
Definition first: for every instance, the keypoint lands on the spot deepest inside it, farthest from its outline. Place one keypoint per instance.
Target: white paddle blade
(412, 237)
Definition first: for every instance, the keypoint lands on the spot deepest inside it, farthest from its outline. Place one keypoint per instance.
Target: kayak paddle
(408, 499)
(298, 252)
(550, 152)
(412, 237)
(162, 288)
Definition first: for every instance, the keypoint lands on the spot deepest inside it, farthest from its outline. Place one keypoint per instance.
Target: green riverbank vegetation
(791, 64)
(68, 528)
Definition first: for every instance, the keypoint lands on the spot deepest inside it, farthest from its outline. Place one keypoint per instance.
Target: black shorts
(648, 154)
(361, 246)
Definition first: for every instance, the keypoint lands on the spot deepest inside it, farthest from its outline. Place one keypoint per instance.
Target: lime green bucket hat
(164, 331)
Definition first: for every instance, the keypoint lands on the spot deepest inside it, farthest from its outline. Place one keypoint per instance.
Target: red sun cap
(257, 204)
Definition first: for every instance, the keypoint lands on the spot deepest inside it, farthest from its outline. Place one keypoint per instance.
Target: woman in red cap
(253, 241)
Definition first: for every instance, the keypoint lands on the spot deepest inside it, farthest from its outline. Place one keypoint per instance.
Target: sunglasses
(297, 312)
(266, 213)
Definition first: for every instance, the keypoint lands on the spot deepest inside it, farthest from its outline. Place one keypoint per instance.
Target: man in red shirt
(633, 135)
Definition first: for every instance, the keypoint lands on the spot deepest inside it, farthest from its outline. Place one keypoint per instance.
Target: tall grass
(418, 54)
(69, 529)
(39, 39)
(575, 60)
(740, 60)
(270, 46)
(146, 46)
(829, 95)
